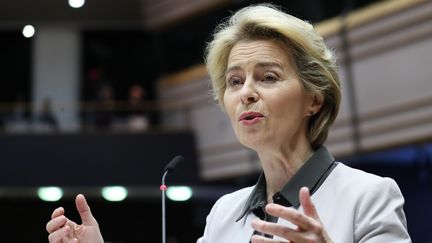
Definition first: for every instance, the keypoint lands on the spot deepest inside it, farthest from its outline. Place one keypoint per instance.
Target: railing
(27, 117)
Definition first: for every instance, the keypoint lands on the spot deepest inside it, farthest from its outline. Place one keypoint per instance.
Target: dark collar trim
(253, 201)
(313, 172)
(309, 175)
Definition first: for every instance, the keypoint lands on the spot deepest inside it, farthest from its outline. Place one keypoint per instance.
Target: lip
(254, 117)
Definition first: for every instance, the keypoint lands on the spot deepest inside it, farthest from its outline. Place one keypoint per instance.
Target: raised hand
(63, 230)
(309, 227)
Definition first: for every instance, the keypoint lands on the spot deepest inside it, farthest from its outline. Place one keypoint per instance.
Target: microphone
(173, 163)
(167, 170)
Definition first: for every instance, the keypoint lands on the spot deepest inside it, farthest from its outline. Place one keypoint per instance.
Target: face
(264, 98)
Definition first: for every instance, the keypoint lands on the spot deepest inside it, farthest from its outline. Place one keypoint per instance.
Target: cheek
(289, 108)
(229, 106)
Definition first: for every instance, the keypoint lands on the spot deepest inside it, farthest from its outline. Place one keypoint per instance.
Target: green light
(114, 193)
(179, 193)
(50, 194)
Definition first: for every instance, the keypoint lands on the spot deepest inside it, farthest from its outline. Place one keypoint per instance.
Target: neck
(280, 165)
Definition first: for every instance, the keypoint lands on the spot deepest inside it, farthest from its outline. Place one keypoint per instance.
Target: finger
(307, 204)
(74, 240)
(57, 212)
(56, 223)
(84, 211)
(261, 239)
(290, 214)
(277, 229)
(310, 210)
(58, 235)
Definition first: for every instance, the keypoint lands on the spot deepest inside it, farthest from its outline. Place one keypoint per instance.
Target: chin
(253, 143)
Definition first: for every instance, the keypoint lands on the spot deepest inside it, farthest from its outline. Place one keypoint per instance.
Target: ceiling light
(76, 3)
(28, 31)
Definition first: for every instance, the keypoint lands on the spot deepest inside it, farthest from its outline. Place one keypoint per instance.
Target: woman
(277, 82)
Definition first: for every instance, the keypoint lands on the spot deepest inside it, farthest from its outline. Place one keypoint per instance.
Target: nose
(249, 93)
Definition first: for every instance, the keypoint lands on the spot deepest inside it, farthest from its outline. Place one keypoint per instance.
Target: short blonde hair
(316, 65)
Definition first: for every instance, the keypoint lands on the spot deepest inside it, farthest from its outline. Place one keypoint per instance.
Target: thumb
(307, 204)
(84, 211)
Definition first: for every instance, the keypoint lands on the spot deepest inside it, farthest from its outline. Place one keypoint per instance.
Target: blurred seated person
(45, 120)
(104, 107)
(18, 119)
(137, 118)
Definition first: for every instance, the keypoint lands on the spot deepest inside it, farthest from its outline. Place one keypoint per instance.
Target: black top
(312, 174)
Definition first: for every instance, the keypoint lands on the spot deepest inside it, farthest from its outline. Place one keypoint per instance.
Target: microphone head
(173, 163)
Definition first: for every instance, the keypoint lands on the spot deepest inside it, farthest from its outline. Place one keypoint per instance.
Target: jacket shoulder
(232, 204)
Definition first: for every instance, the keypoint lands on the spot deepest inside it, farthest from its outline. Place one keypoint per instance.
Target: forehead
(255, 51)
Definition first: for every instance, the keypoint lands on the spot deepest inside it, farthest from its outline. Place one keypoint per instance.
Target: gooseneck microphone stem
(163, 188)
(168, 169)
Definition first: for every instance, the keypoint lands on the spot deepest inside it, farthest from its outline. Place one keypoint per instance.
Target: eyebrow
(270, 64)
(260, 64)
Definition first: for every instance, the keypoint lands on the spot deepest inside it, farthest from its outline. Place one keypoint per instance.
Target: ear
(315, 103)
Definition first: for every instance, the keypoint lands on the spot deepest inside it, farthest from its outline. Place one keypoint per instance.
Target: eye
(270, 78)
(234, 81)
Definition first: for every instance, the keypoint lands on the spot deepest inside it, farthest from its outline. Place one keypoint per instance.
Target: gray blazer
(353, 205)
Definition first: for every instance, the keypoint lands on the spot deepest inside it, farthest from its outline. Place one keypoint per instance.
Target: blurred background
(99, 95)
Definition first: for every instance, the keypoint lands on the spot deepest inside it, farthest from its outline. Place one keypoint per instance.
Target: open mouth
(249, 116)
